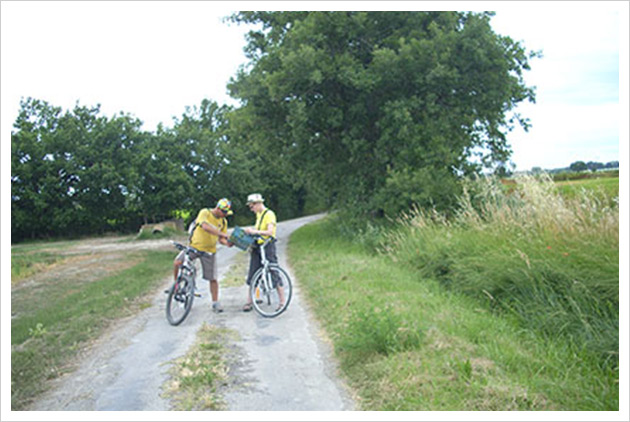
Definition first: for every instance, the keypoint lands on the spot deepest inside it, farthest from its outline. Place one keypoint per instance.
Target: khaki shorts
(208, 264)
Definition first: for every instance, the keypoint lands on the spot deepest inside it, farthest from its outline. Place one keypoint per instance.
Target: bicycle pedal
(197, 294)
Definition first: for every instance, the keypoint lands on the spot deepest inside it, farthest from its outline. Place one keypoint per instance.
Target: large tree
(380, 110)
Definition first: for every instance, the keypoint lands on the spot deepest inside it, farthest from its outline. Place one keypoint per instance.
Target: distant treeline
(370, 112)
(578, 166)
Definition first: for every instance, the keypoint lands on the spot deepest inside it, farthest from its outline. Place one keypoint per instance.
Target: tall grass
(404, 342)
(549, 261)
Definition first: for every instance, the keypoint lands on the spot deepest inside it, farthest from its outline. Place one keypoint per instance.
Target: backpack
(193, 226)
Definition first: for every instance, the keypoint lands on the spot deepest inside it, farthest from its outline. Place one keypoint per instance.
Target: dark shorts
(254, 260)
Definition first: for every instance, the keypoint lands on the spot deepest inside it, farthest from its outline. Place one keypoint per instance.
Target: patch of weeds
(24, 265)
(197, 376)
(38, 331)
(463, 369)
(238, 271)
(382, 331)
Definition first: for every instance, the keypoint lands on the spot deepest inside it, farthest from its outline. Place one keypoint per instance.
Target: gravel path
(283, 363)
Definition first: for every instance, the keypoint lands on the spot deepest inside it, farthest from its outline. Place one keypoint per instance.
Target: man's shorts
(255, 263)
(208, 264)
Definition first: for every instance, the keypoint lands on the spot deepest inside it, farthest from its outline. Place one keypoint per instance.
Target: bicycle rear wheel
(179, 301)
(268, 302)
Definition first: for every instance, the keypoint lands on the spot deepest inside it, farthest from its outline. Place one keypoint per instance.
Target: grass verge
(197, 376)
(405, 342)
(237, 272)
(55, 320)
(24, 265)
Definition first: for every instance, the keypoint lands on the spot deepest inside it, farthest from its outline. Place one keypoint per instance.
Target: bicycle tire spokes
(182, 292)
(272, 304)
(179, 301)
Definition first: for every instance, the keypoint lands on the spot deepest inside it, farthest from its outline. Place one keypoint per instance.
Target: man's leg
(176, 265)
(273, 257)
(214, 290)
(281, 295)
(179, 260)
(210, 273)
(254, 264)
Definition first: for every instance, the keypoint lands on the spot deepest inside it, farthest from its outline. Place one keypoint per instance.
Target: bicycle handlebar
(265, 241)
(190, 249)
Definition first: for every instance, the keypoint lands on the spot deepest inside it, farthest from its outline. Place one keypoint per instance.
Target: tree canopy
(369, 111)
(381, 110)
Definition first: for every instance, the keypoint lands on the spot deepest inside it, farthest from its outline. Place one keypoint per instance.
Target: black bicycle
(270, 289)
(182, 292)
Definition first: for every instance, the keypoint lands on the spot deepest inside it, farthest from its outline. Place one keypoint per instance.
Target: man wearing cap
(266, 228)
(210, 226)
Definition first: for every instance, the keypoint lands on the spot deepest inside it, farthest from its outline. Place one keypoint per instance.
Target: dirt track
(283, 363)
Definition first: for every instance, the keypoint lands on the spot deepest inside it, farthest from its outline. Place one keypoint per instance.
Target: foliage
(71, 172)
(380, 110)
(578, 166)
(369, 111)
(76, 173)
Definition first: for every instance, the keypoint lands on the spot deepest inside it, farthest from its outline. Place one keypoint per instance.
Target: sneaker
(216, 308)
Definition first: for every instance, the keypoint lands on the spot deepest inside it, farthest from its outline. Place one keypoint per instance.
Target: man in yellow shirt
(266, 227)
(210, 227)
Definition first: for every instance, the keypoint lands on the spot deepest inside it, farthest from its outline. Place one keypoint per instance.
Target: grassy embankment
(512, 304)
(54, 318)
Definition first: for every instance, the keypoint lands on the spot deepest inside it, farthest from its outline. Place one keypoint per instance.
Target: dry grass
(196, 377)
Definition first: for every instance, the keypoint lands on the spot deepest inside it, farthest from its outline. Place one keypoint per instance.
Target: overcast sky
(152, 59)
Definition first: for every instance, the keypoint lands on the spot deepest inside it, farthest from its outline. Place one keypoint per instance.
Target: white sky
(152, 59)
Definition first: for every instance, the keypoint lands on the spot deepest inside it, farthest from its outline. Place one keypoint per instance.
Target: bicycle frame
(270, 283)
(187, 269)
(182, 292)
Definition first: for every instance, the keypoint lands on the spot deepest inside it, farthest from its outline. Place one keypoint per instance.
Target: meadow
(510, 304)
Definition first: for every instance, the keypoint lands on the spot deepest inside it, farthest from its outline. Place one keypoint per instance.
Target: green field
(605, 187)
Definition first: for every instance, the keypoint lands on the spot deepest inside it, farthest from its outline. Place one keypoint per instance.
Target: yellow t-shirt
(263, 219)
(201, 239)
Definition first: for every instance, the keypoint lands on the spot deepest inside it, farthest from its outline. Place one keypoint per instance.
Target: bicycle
(263, 289)
(182, 292)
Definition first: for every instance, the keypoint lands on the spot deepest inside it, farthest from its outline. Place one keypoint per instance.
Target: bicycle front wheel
(272, 298)
(179, 301)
